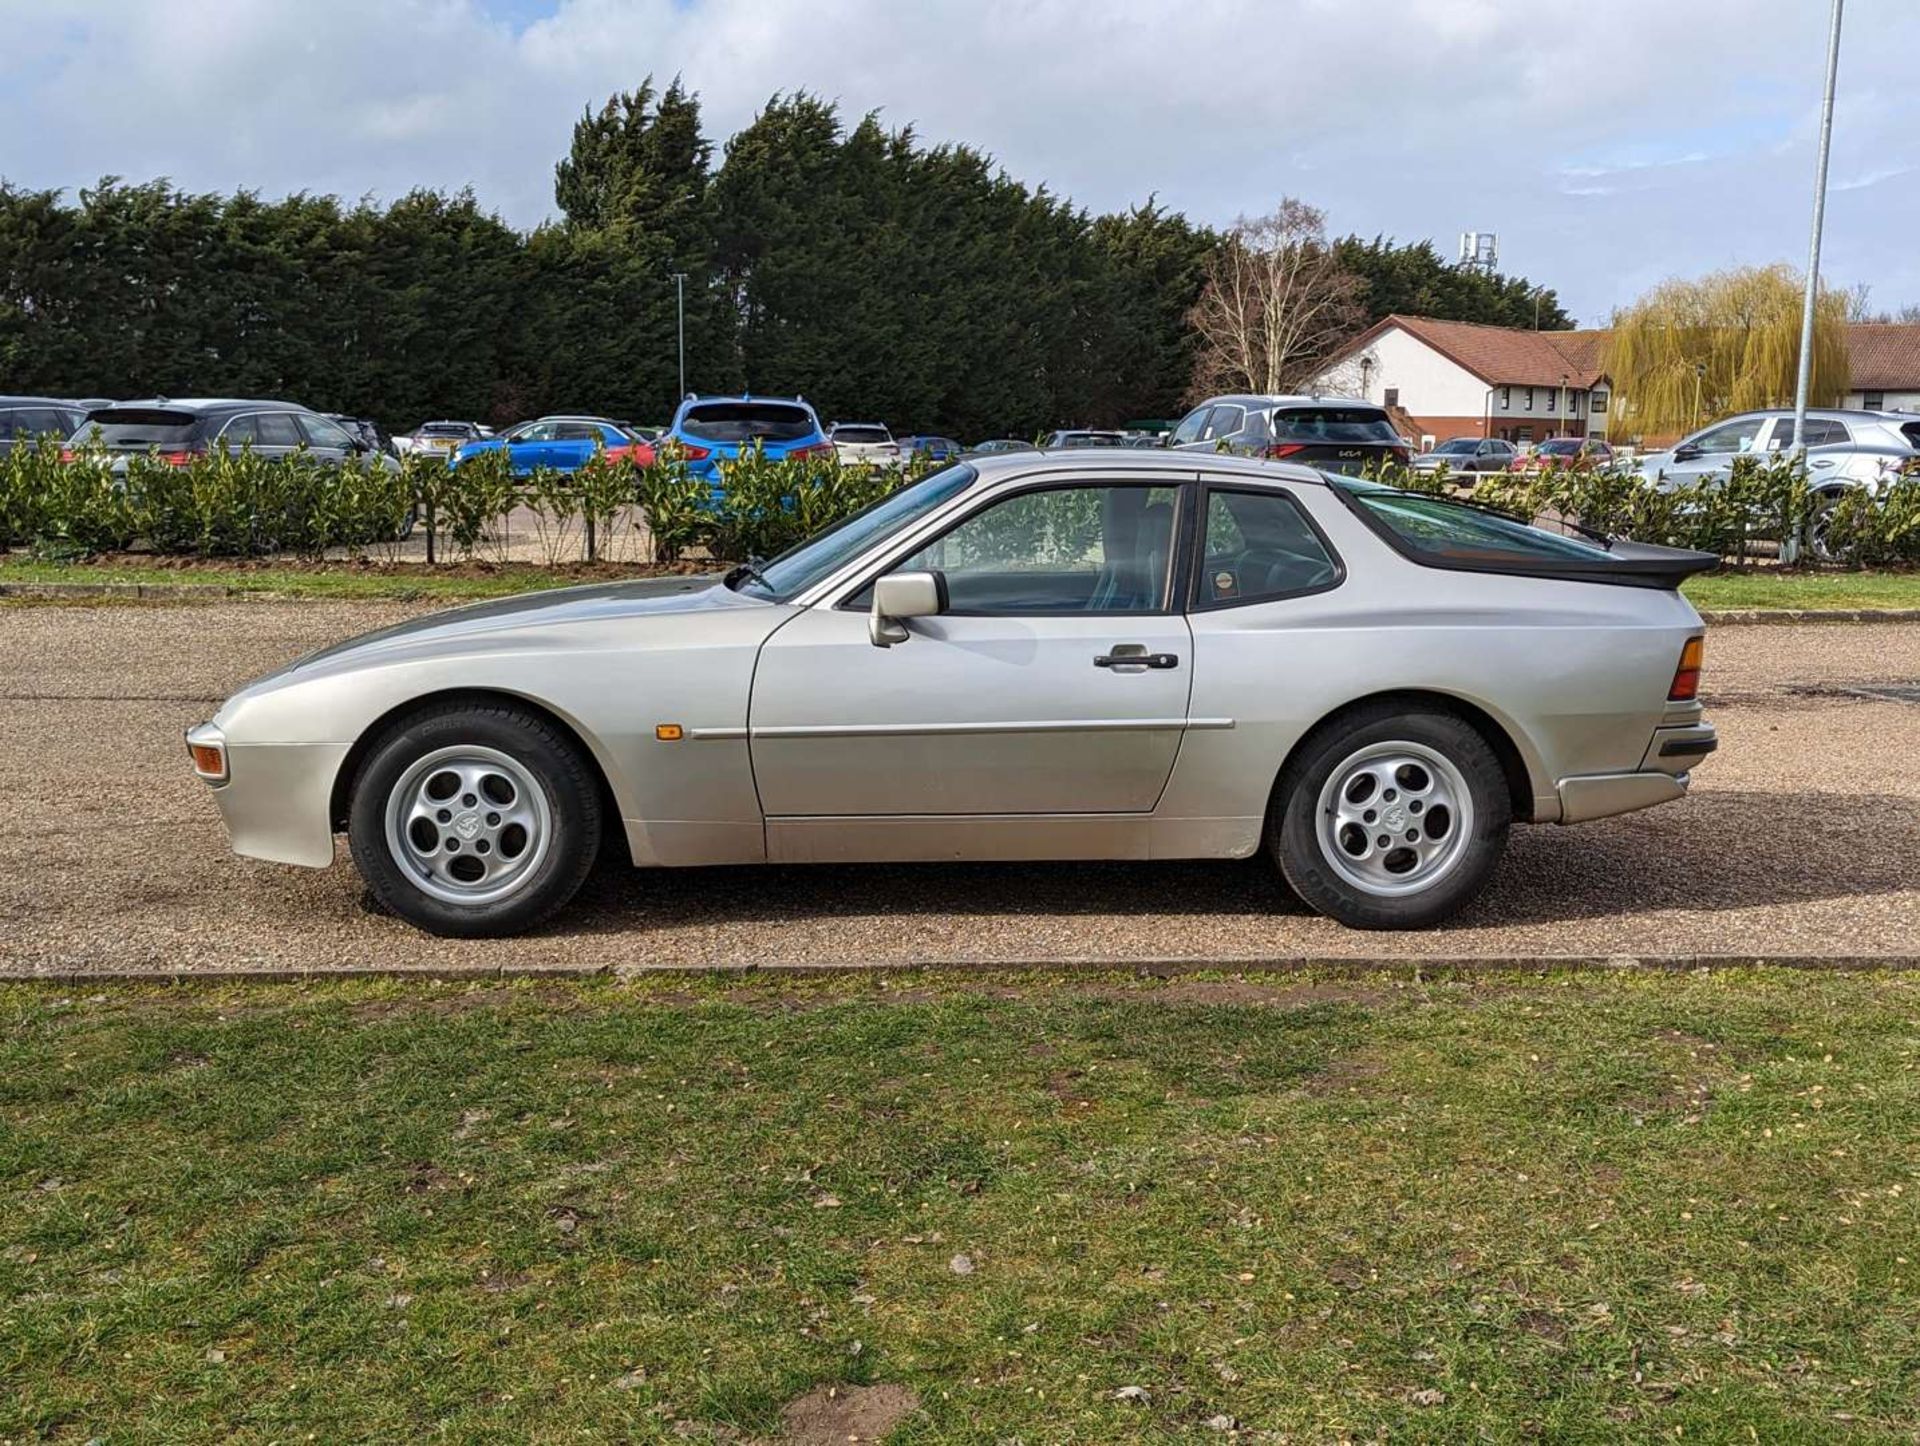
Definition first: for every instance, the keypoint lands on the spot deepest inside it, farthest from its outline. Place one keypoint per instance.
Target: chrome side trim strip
(1056, 725)
(702, 734)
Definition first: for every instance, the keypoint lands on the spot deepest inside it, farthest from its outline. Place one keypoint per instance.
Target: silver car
(1465, 455)
(1844, 448)
(1108, 654)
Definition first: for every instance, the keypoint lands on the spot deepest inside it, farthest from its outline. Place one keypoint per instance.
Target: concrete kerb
(1414, 969)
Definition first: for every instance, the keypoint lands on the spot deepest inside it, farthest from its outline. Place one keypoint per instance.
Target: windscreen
(138, 427)
(748, 422)
(1564, 448)
(1457, 446)
(1332, 424)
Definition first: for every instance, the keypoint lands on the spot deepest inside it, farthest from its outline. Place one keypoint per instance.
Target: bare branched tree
(1276, 303)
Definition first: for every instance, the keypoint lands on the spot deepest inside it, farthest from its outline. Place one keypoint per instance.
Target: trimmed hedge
(239, 505)
(74, 505)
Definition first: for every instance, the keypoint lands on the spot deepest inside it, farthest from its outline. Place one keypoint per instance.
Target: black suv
(182, 430)
(22, 419)
(1335, 434)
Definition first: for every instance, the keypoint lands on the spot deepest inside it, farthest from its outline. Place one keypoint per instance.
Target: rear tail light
(814, 449)
(1401, 455)
(176, 459)
(1686, 677)
(1285, 449)
(67, 454)
(694, 454)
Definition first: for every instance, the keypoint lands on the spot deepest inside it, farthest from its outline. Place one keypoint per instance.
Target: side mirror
(1686, 453)
(902, 595)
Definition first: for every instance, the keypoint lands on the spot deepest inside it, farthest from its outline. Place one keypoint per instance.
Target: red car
(1563, 452)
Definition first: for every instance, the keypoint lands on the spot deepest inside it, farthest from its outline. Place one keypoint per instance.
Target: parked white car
(864, 444)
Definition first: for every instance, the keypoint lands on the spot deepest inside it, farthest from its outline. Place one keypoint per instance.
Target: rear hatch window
(1346, 439)
(1440, 532)
(138, 428)
(865, 436)
(445, 429)
(748, 422)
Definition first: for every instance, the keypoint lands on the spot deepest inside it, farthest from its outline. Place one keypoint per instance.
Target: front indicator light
(208, 750)
(1686, 678)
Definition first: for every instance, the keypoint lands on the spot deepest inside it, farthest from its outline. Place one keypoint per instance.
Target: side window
(536, 432)
(1738, 436)
(239, 432)
(1189, 428)
(1258, 547)
(1222, 422)
(576, 432)
(12, 424)
(324, 433)
(1061, 550)
(277, 430)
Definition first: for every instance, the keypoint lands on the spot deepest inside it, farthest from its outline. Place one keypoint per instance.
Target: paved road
(1802, 837)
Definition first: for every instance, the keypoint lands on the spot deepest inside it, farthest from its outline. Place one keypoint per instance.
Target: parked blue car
(562, 443)
(712, 430)
(937, 449)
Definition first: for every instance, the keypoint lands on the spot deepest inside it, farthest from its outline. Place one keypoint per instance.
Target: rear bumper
(1663, 775)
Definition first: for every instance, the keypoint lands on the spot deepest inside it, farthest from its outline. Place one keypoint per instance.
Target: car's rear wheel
(1390, 820)
(474, 820)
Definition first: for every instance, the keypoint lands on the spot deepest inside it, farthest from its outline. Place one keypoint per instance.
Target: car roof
(36, 402)
(1280, 399)
(1138, 462)
(208, 404)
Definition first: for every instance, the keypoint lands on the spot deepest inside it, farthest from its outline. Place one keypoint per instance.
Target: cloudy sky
(1609, 143)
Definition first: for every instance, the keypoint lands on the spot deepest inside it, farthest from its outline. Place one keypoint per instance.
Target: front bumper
(276, 799)
(1663, 775)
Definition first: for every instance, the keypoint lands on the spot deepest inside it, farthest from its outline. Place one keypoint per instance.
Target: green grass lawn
(1756, 589)
(1577, 1209)
(1772, 589)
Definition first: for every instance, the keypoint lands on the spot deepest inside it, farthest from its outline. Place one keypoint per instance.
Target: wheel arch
(340, 799)
(1499, 737)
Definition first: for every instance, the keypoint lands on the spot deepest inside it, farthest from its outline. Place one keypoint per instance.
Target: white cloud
(1590, 138)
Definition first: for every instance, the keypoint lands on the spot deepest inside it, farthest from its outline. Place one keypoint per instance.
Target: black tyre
(1391, 820)
(473, 820)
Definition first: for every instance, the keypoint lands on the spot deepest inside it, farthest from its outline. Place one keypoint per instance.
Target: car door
(572, 446)
(1055, 683)
(1187, 434)
(529, 448)
(327, 438)
(1707, 457)
(279, 435)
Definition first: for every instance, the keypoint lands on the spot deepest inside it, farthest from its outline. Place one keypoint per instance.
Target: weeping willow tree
(1690, 351)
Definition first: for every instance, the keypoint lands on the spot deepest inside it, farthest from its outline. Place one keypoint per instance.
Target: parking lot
(1800, 839)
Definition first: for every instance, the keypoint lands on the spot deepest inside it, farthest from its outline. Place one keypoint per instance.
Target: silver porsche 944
(1091, 655)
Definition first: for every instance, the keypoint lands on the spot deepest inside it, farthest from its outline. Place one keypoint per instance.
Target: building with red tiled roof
(1465, 379)
(1883, 365)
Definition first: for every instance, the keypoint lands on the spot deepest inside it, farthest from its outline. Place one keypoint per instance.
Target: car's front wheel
(1391, 820)
(474, 820)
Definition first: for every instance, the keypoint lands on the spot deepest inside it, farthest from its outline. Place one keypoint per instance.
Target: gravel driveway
(1802, 837)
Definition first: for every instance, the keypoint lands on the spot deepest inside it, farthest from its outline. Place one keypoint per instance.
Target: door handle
(1131, 656)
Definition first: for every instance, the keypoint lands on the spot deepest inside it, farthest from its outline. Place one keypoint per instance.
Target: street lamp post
(680, 308)
(1813, 245)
